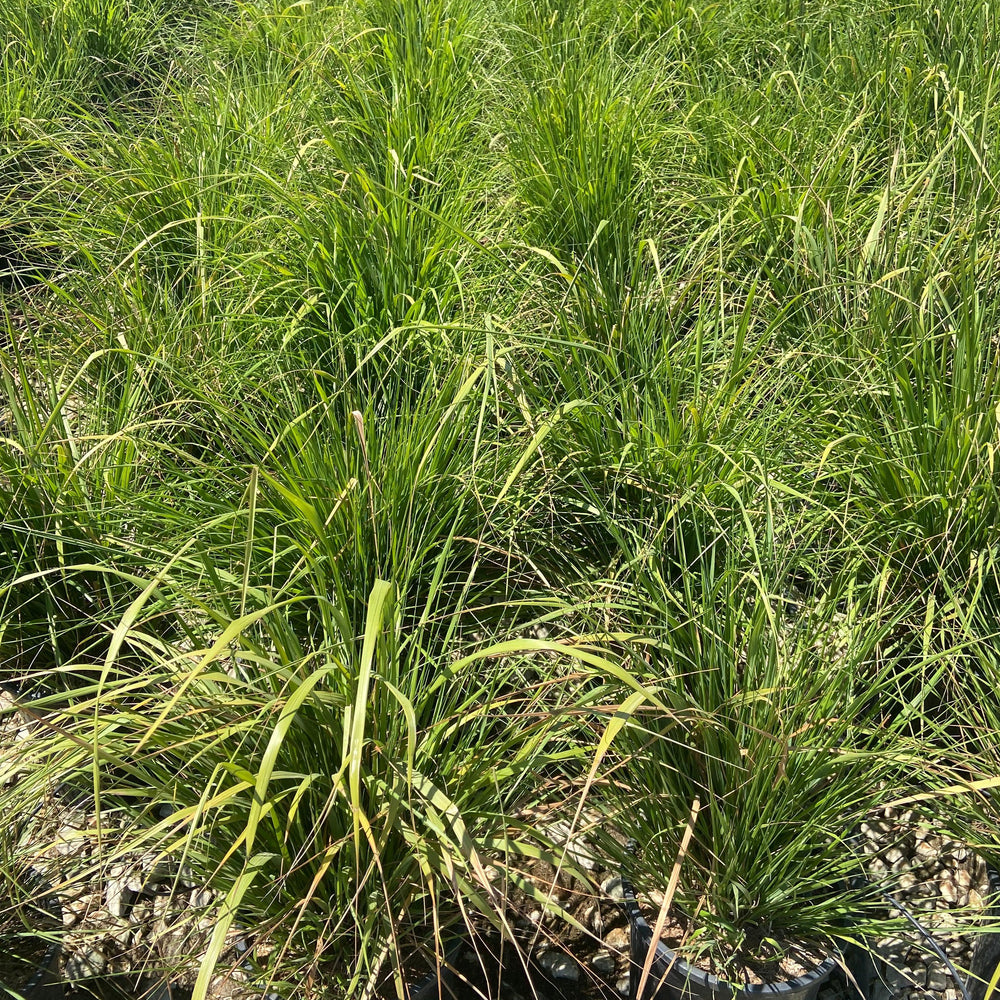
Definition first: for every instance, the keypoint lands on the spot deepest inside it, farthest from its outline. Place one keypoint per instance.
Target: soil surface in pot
(758, 962)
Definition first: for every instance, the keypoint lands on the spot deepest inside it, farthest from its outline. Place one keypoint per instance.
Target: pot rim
(441, 977)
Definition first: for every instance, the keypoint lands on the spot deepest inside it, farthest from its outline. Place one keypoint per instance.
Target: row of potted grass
(222, 550)
(670, 327)
(243, 579)
(355, 793)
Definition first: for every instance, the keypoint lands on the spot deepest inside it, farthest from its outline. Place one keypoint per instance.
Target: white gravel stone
(604, 962)
(877, 829)
(68, 841)
(200, 898)
(85, 964)
(559, 965)
(122, 936)
(617, 939)
(577, 848)
(938, 980)
(117, 897)
(613, 887)
(888, 944)
(949, 891)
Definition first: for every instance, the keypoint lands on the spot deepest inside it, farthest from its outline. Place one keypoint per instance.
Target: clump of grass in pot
(762, 742)
(70, 473)
(344, 804)
(912, 445)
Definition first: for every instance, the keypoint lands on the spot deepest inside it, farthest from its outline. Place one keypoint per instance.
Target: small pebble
(559, 965)
(121, 936)
(202, 897)
(876, 830)
(604, 962)
(68, 841)
(938, 980)
(85, 964)
(617, 939)
(613, 887)
(118, 897)
(594, 919)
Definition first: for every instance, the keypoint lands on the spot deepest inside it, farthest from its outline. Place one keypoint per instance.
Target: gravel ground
(944, 885)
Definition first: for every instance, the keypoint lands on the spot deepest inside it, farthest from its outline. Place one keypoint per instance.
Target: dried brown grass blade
(675, 877)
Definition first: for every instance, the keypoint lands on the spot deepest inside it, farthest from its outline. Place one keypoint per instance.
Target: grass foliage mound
(416, 410)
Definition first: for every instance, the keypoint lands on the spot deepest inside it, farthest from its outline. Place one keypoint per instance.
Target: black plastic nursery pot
(672, 978)
(442, 984)
(485, 966)
(986, 957)
(43, 981)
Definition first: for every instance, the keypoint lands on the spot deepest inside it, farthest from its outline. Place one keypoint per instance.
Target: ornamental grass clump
(71, 472)
(760, 752)
(344, 805)
(913, 444)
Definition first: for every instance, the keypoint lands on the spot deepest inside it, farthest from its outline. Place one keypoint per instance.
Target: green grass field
(393, 388)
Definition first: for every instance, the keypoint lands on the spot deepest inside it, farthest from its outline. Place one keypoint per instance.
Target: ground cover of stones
(139, 914)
